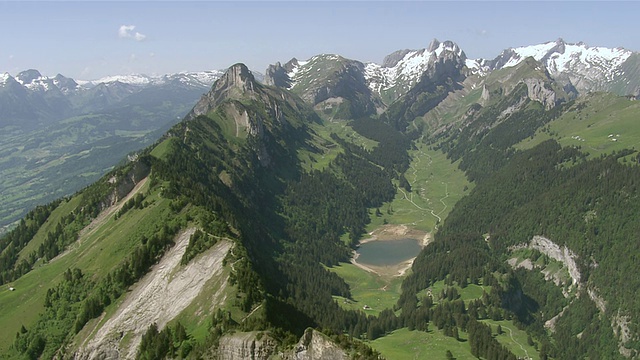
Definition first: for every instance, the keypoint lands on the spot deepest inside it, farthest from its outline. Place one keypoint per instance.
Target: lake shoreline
(390, 233)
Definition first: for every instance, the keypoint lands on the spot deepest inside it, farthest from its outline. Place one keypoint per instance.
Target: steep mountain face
(343, 88)
(529, 79)
(584, 67)
(404, 69)
(442, 73)
(335, 86)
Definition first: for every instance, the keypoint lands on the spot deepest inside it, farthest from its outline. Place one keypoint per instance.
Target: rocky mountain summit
(403, 69)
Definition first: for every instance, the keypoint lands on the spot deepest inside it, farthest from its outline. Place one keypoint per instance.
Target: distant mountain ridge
(31, 100)
(577, 67)
(587, 68)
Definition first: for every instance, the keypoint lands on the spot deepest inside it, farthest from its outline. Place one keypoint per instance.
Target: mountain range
(30, 99)
(333, 83)
(236, 232)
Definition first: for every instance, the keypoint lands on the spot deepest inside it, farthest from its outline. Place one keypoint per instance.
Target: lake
(388, 252)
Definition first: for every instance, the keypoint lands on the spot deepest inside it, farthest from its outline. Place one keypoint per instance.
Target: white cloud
(11, 57)
(126, 32)
(86, 72)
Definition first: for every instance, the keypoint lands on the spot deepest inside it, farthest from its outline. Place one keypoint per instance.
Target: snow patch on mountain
(405, 72)
(4, 78)
(594, 63)
(135, 79)
(40, 84)
(202, 78)
(295, 70)
(536, 51)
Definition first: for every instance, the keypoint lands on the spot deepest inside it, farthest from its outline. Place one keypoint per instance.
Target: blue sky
(89, 40)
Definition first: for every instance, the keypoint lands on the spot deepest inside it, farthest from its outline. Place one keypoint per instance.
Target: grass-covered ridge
(598, 123)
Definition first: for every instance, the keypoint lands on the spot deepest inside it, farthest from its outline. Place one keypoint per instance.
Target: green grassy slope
(590, 122)
(95, 254)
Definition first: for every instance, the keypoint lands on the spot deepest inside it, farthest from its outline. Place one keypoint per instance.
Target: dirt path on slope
(158, 298)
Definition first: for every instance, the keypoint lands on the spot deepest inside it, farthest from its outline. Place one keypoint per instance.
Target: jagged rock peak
(236, 83)
(237, 75)
(433, 45)
(278, 75)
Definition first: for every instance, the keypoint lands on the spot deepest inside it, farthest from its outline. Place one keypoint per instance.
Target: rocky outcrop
(123, 184)
(564, 255)
(394, 58)
(256, 345)
(621, 328)
(537, 91)
(252, 345)
(237, 82)
(278, 75)
(486, 95)
(316, 346)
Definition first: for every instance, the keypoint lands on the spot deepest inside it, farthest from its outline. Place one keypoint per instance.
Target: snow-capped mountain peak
(560, 56)
(585, 67)
(403, 69)
(28, 76)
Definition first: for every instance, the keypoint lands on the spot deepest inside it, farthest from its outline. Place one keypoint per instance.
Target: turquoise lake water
(388, 252)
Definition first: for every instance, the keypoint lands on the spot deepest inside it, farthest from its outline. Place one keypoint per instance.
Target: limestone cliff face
(238, 81)
(537, 91)
(246, 346)
(124, 184)
(315, 346)
(278, 75)
(260, 346)
(562, 254)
